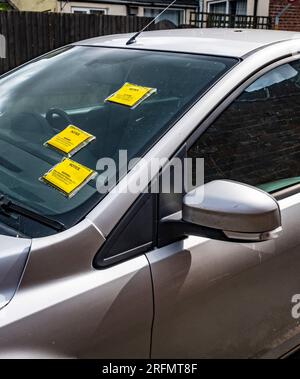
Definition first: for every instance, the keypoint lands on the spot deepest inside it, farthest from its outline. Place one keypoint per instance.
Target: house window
(236, 7)
(176, 16)
(219, 7)
(89, 10)
(132, 10)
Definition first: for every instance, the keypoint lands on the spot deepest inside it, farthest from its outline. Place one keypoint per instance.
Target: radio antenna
(134, 37)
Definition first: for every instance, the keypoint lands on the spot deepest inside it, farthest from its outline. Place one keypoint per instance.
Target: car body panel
(65, 308)
(227, 299)
(224, 42)
(13, 257)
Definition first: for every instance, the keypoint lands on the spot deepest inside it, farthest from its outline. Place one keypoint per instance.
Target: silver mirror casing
(239, 210)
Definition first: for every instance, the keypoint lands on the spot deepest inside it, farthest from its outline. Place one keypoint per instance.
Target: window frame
(216, 2)
(210, 5)
(87, 10)
(221, 108)
(181, 12)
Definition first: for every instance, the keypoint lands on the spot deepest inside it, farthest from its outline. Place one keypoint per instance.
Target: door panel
(224, 299)
(218, 299)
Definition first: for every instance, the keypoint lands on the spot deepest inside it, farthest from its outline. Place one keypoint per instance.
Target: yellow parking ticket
(68, 177)
(70, 140)
(131, 95)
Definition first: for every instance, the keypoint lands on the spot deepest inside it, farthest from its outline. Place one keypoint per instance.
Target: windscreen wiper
(7, 206)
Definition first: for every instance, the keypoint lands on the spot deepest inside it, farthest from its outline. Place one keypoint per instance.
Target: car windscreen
(89, 88)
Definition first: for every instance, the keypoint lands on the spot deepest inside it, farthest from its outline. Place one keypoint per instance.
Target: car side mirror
(223, 210)
(240, 211)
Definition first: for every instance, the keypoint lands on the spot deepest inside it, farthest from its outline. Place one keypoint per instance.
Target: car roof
(223, 42)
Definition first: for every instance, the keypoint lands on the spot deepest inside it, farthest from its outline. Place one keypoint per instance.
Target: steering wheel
(59, 112)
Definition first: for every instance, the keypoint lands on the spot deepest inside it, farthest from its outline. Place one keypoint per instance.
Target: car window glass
(70, 87)
(256, 140)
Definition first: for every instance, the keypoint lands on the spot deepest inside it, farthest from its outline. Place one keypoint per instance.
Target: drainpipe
(255, 8)
(201, 6)
(201, 10)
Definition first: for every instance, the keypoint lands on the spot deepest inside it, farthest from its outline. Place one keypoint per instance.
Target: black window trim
(103, 259)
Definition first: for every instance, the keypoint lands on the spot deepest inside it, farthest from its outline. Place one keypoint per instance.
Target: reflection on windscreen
(70, 87)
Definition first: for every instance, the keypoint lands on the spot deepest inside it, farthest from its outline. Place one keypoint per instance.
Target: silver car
(110, 264)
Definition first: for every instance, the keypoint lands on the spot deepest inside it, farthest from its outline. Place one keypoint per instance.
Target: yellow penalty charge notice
(70, 140)
(131, 95)
(68, 176)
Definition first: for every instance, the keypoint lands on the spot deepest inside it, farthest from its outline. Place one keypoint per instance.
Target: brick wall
(291, 19)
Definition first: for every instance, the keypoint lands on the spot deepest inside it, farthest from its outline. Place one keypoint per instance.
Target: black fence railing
(219, 20)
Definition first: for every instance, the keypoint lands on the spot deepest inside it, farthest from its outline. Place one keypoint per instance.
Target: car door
(223, 299)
